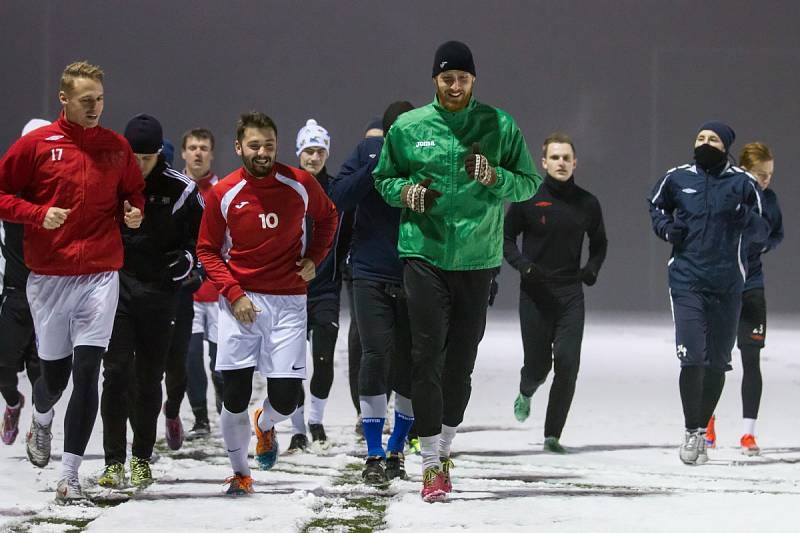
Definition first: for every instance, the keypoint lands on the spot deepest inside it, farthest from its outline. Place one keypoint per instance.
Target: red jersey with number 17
(253, 231)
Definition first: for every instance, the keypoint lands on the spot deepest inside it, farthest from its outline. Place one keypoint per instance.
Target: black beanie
(453, 55)
(144, 134)
(725, 132)
(394, 110)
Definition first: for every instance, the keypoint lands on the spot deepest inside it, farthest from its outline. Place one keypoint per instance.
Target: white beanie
(312, 134)
(34, 124)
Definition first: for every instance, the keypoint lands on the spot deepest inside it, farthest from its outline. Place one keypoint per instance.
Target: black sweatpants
(447, 313)
(751, 338)
(133, 369)
(381, 312)
(17, 343)
(552, 319)
(705, 332)
(323, 330)
(353, 349)
(175, 377)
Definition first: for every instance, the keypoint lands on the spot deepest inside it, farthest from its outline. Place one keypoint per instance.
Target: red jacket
(206, 293)
(253, 231)
(90, 171)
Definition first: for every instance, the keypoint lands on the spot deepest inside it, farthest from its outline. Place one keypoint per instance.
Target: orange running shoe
(749, 446)
(239, 485)
(267, 444)
(711, 434)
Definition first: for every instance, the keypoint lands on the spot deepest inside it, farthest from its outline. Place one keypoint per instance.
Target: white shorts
(205, 319)
(71, 311)
(275, 344)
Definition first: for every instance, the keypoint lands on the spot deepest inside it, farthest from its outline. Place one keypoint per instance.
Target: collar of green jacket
(460, 114)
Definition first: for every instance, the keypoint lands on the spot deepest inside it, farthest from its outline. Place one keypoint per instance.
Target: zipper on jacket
(82, 204)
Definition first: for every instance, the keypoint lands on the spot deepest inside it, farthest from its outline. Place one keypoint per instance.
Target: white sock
(317, 410)
(70, 463)
(299, 421)
(44, 419)
(446, 440)
(14, 407)
(749, 426)
(236, 433)
(269, 417)
(429, 449)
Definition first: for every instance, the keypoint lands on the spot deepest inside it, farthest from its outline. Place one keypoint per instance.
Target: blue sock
(373, 432)
(402, 423)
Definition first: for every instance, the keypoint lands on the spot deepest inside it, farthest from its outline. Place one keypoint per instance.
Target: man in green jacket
(451, 164)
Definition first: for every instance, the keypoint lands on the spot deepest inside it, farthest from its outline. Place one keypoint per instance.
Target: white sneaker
(702, 453)
(690, 449)
(69, 490)
(37, 443)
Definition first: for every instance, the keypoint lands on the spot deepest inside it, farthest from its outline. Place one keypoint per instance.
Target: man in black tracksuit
(708, 212)
(379, 305)
(158, 256)
(551, 311)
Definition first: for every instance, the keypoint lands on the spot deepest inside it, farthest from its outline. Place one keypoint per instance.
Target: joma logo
(422, 144)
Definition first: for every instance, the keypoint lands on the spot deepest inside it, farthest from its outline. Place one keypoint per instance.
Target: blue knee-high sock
(402, 424)
(403, 418)
(373, 433)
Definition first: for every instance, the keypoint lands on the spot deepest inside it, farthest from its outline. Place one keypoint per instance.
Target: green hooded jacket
(464, 229)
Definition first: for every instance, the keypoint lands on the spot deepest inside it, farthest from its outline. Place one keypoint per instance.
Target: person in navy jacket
(757, 159)
(708, 211)
(379, 306)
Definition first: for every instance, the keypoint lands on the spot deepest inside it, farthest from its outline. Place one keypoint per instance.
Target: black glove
(179, 264)
(478, 168)
(533, 273)
(676, 233)
(588, 276)
(419, 197)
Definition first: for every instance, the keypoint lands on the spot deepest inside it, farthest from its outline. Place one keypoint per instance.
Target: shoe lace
(429, 476)
(240, 480)
(41, 435)
(692, 441)
(141, 469)
(447, 465)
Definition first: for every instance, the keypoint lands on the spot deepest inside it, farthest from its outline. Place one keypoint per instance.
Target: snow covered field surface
(622, 472)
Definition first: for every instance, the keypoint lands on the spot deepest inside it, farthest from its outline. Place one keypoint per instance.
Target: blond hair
(754, 153)
(79, 69)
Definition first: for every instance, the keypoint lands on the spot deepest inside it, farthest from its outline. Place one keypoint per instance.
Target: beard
(454, 103)
(257, 169)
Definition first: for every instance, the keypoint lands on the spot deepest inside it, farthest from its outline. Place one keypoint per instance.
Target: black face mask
(709, 158)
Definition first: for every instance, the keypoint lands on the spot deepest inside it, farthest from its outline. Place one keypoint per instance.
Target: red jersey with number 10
(253, 231)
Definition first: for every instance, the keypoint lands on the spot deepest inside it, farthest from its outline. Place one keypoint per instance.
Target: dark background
(629, 80)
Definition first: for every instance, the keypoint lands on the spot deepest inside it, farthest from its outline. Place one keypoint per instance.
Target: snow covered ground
(622, 474)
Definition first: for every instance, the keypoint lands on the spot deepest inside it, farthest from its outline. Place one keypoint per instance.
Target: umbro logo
(681, 352)
(54, 138)
(688, 191)
(423, 144)
(373, 156)
(442, 64)
(241, 204)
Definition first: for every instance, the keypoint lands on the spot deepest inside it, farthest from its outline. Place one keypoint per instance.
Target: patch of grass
(370, 510)
(370, 519)
(76, 524)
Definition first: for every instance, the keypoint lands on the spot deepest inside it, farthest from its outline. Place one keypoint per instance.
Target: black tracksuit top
(553, 224)
(172, 213)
